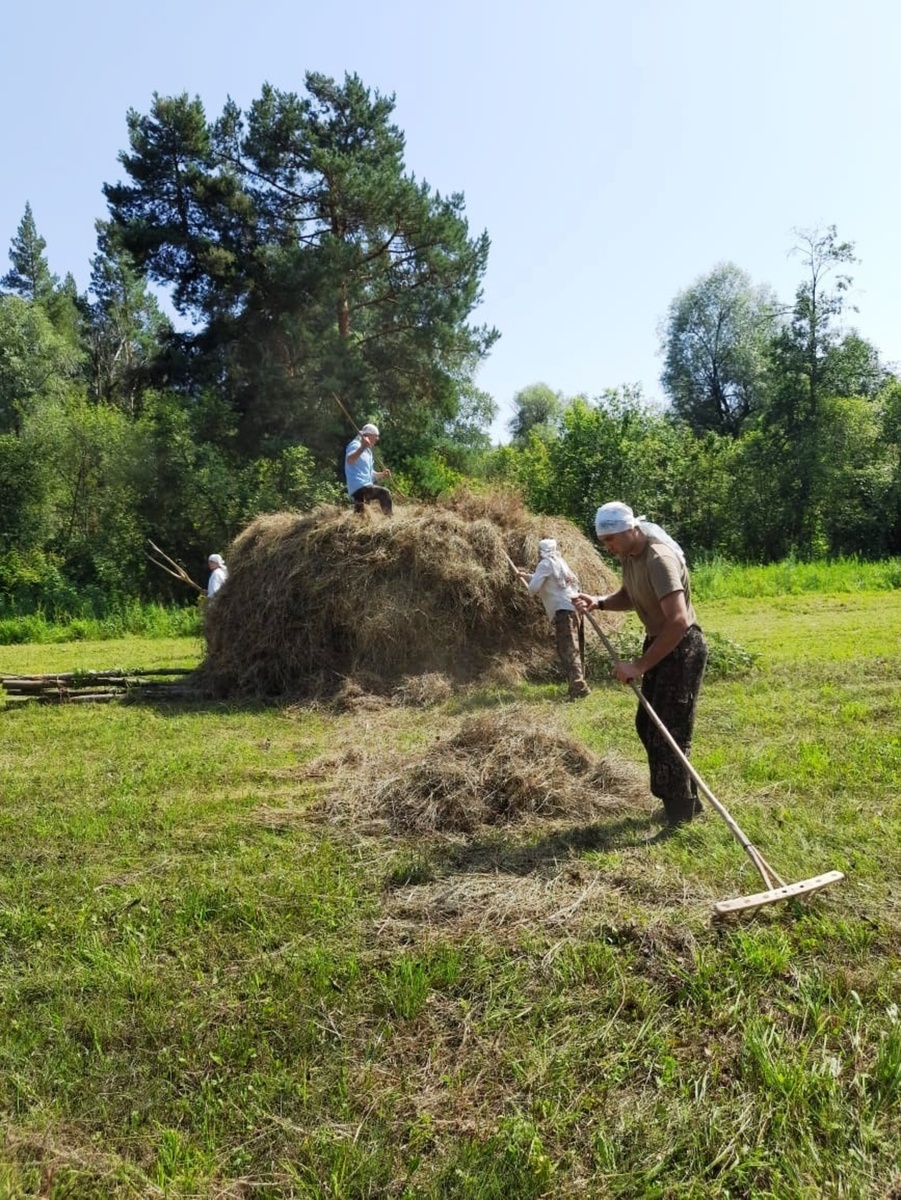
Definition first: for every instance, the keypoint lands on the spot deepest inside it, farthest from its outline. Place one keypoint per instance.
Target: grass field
(222, 974)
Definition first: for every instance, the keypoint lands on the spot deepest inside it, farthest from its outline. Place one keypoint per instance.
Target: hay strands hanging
(171, 567)
(775, 886)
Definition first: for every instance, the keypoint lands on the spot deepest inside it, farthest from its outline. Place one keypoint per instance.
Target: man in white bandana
(360, 473)
(656, 585)
(556, 584)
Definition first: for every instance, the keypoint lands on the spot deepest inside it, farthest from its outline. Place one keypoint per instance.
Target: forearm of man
(618, 601)
(674, 630)
(354, 455)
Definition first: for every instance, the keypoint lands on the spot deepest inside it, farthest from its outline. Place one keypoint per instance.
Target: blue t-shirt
(360, 473)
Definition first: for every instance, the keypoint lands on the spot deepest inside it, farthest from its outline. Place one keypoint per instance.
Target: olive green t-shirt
(648, 577)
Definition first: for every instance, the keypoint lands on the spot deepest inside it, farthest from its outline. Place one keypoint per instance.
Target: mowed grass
(220, 979)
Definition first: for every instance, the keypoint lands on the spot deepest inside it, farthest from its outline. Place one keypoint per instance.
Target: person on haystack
(218, 574)
(361, 475)
(656, 585)
(555, 583)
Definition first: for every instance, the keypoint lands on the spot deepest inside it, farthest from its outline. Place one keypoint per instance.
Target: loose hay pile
(313, 600)
(499, 768)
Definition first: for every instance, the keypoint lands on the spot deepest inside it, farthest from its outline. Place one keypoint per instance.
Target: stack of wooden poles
(97, 687)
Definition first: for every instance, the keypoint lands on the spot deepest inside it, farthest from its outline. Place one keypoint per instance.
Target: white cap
(370, 428)
(614, 517)
(547, 546)
(217, 560)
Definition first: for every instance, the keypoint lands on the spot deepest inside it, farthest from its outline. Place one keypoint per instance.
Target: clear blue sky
(613, 152)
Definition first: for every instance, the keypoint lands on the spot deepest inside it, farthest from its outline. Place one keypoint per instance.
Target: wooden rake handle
(769, 876)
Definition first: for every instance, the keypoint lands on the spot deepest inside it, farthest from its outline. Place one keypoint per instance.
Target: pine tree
(311, 264)
(30, 276)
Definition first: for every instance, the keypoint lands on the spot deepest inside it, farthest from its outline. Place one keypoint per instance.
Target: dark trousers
(567, 625)
(671, 688)
(372, 491)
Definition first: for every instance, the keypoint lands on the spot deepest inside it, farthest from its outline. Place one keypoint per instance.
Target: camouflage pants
(671, 688)
(566, 634)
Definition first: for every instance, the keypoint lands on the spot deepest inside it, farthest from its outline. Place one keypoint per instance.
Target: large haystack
(313, 600)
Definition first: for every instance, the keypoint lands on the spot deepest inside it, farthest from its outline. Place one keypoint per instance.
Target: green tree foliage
(32, 280)
(127, 325)
(23, 486)
(804, 349)
(36, 362)
(854, 368)
(890, 440)
(813, 363)
(69, 315)
(312, 264)
(30, 276)
(854, 478)
(197, 492)
(91, 452)
(714, 342)
(718, 494)
(536, 409)
(622, 447)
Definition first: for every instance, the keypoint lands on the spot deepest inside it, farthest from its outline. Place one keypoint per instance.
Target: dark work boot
(681, 811)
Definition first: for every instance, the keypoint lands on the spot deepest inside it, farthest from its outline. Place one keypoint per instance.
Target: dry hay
(315, 599)
(498, 905)
(497, 768)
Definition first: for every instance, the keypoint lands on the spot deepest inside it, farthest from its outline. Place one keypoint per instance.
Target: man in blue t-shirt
(361, 475)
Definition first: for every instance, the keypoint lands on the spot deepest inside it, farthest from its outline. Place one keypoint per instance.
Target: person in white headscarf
(656, 585)
(218, 574)
(360, 474)
(556, 584)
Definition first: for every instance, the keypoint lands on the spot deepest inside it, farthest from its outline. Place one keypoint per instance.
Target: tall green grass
(132, 620)
(719, 579)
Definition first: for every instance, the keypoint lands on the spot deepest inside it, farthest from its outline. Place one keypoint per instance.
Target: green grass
(218, 980)
(133, 620)
(719, 579)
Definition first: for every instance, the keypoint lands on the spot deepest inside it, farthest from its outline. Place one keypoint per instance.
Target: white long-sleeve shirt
(216, 580)
(554, 597)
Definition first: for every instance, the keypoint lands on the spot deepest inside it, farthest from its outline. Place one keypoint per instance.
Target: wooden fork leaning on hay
(776, 887)
(171, 567)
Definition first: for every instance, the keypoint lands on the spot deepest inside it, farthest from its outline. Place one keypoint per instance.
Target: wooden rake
(775, 885)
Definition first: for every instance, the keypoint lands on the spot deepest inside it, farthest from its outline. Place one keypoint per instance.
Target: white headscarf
(617, 517)
(547, 548)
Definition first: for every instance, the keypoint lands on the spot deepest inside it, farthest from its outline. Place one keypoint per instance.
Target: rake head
(784, 892)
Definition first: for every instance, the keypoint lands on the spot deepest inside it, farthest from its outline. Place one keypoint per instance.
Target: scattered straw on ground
(328, 600)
